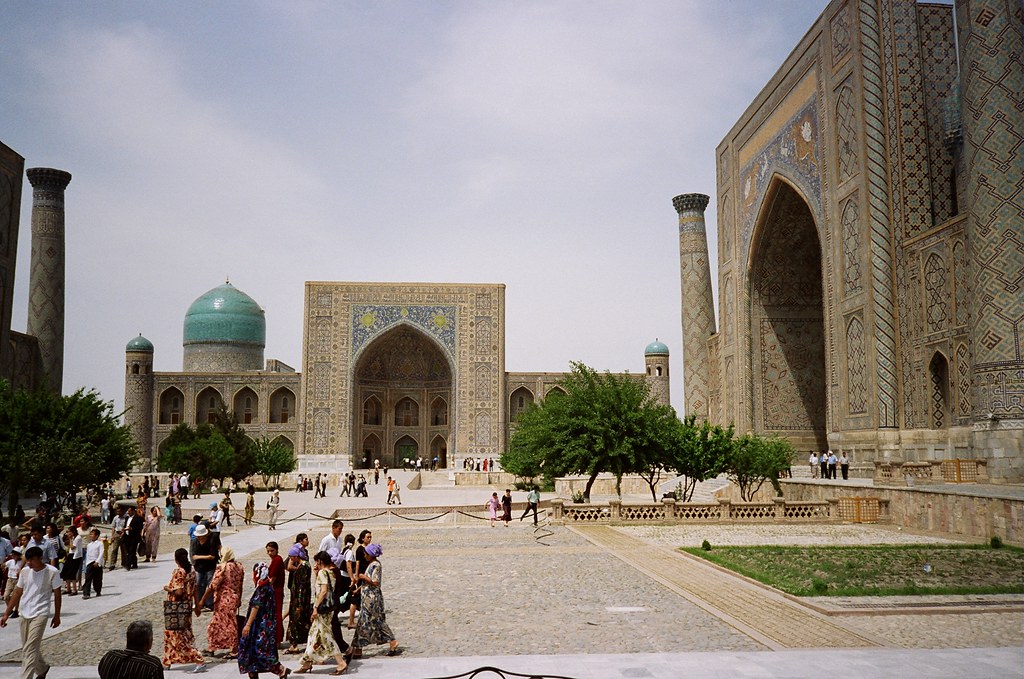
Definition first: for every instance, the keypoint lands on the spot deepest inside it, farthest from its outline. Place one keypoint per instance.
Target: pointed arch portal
(402, 396)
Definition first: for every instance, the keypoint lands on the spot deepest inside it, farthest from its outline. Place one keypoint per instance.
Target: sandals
(304, 669)
(394, 651)
(340, 671)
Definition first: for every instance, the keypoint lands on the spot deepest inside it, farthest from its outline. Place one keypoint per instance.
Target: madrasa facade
(390, 371)
(870, 211)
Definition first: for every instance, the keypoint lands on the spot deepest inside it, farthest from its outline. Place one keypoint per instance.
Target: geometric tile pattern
(370, 320)
(792, 373)
(992, 79)
(936, 298)
(962, 360)
(850, 224)
(846, 133)
(839, 28)
(877, 169)
(938, 371)
(698, 311)
(856, 378)
(938, 65)
(961, 291)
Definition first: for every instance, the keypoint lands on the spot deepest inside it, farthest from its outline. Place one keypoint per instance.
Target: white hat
(200, 531)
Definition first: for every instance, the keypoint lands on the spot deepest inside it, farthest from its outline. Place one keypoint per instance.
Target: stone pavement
(464, 596)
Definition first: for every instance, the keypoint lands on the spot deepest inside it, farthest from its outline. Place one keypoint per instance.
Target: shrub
(819, 586)
(706, 546)
(577, 497)
(996, 542)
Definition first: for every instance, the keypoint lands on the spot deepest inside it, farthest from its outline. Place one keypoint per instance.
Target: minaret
(656, 359)
(992, 99)
(698, 311)
(46, 276)
(138, 397)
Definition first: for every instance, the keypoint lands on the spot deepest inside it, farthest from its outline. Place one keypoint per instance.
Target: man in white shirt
(215, 522)
(333, 539)
(37, 583)
(48, 547)
(93, 565)
(116, 535)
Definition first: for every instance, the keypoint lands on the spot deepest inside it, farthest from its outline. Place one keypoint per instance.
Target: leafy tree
(203, 451)
(699, 453)
(225, 422)
(273, 458)
(60, 444)
(603, 423)
(756, 459)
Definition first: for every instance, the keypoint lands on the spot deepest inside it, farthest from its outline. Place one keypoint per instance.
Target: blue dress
(257, 652)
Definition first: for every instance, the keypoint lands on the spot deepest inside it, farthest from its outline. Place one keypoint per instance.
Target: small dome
(225, 315)
(656, 348)
(139, 343)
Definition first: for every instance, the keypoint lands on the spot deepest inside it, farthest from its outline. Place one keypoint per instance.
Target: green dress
(299, 605)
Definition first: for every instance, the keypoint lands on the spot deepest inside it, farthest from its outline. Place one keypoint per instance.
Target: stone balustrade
(930, 472)
(668, 511)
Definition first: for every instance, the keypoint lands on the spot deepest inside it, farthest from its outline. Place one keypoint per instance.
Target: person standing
(276, 575)
(226, 590)
(844, 465)
(183, 482)
(832, 460)
(506, 507)
(151, 533)
(135, 662)
(813, 461)
(823, 463)
(299, 608)
(180, 645)
(38, 582)
(492, 506)
(257, 644)
(105, 510)
(250, 505)
(532, 501)
(225, 506)
(116, 536)
(133, 536)
(203, 555)
(333, 539)
(373, 627)
(93, 565)
(215, 522)
(391, 489)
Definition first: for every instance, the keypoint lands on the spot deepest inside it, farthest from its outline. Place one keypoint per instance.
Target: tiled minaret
(46, 277)
(698, 309)
(138, 397)
(991, 42)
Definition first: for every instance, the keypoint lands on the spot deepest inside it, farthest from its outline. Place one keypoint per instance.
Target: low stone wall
(933, 508)
(503, 479)
(670, 512)
(604, 484)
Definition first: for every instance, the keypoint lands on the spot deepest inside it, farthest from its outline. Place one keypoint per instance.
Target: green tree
(225, 422)
(60, 444)
(273, 458)
(603, 423)
(699, 452)
(202, 451)
(755, 459)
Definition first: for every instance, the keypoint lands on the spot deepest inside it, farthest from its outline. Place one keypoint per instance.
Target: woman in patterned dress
(151, 533)
(179, 645)
(321, 645)
(226, 590)
(276, 570)
(299, 603)
(372, 627)
(257, 647)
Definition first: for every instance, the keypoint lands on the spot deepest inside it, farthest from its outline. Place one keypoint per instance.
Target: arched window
(521, 399)
(407, 413)
(170, 406)
(372, 411)
(658, 371)
(281, 406)
(135, 368)
(438, 412)
(938, 372)
(208, 402)
(246, 406)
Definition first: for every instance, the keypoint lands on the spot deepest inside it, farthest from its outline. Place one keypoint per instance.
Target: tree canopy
(273, 458)
(699, 452)
(756, 459)
(243, 463)
(60, 444)
(602, 423)
(203, 451)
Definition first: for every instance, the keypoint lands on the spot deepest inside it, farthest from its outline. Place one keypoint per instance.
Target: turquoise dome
(225, 315)
(139, 343)
(656, 348)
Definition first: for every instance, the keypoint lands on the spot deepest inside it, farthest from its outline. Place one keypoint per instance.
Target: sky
(535, 144)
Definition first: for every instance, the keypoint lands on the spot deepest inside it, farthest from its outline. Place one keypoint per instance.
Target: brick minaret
(46, 279)
(138, 397)
(992, 101)
(698, 311)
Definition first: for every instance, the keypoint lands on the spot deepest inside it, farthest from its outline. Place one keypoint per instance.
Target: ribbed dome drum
(225, 330)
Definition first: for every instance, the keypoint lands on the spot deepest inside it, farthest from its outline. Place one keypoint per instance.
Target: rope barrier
(501, 673)
(364, 518)
(474, 516)
(432, 518)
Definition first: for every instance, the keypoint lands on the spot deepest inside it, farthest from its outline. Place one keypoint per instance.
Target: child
(13, 567)
(195, 524)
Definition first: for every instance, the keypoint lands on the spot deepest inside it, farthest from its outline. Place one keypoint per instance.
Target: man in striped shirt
(134, 662)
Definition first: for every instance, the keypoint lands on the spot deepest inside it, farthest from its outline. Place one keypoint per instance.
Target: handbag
(327, 605)
(177, 615)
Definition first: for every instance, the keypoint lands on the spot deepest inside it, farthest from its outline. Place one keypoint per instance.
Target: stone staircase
(438, 479)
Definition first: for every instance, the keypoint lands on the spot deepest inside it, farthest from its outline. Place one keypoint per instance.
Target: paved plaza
(578, 602)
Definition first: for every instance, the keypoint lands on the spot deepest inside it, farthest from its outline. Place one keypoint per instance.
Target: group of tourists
(479, 464)
(500, 509)
(824, 465)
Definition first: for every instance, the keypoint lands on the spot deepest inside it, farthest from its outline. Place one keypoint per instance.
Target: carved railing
(930, 472)
(668, 511)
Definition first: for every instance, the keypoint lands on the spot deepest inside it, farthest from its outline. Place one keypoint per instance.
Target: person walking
(226, 591)
(391, 489)
(276, 575)
(203, 555)
(180, 644)
(273, 504)
(492, 506)
(151, 534)
(299, 608)
(257, 643)
(532, 501)
(321, 645)
(250, 505)
(116, 536)
(373, 627)
(132, 538)
(506, 507)
(226, 506)
(38, 583)
(135, 661)
(93, 565)
(844, 465)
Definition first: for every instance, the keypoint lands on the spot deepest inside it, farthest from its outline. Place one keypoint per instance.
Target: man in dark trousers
(132, 537)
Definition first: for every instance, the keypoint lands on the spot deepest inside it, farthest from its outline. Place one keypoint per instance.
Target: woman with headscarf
(276, 568)
(226, 590)
(257, 645)
(141, 500)
(321, 646)
(151, 533)
(179, 645)
(298, 604)
(372, 627)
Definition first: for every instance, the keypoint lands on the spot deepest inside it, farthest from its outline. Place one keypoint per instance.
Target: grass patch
(877, 570)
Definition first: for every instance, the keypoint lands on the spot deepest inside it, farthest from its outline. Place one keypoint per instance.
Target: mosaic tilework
(856, 368)
(369, 320)
(847, 142)
(936, 292)
(876, 167)
(698, 311)
(792, 373)
(961, 286)
(938, 65)
(793, 152)
(992, 77)
(11, 168)
(841, 33)
(962, 361)
(849, 221)
(938, 373)
(725, 228)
